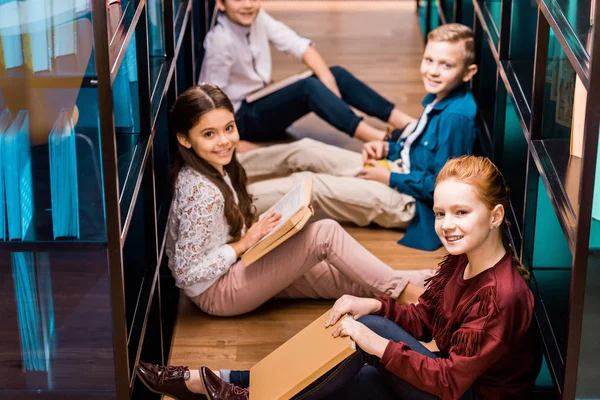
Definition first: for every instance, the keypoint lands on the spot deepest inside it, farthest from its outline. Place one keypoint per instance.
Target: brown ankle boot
(218, 389)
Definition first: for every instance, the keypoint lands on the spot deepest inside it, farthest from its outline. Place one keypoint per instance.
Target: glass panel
(492, 8)
(559, 93)
(448, 9)
(161, 171)
(595, 233)
(557, 118)
(522, 43)
(184, 61)
(467, 13)
(50, 125)
(544, 380)
(434, 18)
(156, 40)
(47, 332)
(514, 158)
(138, 269)
(588, 386)
(486, 98)
(552, 263)
(577, 13)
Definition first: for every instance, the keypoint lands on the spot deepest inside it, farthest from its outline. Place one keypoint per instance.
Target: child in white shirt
(238, 60)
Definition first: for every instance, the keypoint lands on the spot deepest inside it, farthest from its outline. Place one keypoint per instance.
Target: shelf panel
(181, 20)
(588, 386)
(549, 287)
(132, 183)
(161, 222)
(53, 246)
(67, 71)
(515, 91)
(485, 136)
(161, 74)
(561, 176)
(487, 23)
(137, 330)
(440, 11)
(572, 31)
(123, 34)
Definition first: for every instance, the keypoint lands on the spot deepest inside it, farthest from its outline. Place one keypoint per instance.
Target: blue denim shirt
(450, 132)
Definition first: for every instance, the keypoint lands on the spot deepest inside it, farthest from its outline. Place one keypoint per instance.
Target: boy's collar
(440, 105)
(222, 18)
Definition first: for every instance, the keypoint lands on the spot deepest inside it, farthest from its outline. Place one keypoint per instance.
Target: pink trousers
(320, 262)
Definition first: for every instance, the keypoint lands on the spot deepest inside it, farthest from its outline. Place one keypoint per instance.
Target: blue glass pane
(514, 158)
(486, 99)
(588, 385)
(156, 40)
(552, 263)
(493, 7)
(50, 130)
(577, 13)
(47, 332)
(522, 43)
(595, 234)
(559, 93)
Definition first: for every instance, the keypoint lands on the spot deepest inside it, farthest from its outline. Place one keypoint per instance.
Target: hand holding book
(294, 211)
(351, 305)
(256, 232)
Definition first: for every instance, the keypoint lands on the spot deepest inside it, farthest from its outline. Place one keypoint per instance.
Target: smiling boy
(397, 193)
(238, 60)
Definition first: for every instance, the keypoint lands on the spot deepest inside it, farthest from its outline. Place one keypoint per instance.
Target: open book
(299, 362)
(295, 211)
(272, 88)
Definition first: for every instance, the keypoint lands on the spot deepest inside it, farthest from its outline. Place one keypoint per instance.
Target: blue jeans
(268, 118)
(361, 376)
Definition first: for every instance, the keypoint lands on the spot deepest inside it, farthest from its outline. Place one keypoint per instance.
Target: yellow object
(385, 163)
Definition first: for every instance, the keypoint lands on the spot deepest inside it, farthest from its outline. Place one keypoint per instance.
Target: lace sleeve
(197, 254)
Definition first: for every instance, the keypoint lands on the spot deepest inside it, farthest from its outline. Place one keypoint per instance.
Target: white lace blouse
(198, 233)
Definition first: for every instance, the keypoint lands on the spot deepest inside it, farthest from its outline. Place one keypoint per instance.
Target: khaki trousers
(337, 189)
(321, 261)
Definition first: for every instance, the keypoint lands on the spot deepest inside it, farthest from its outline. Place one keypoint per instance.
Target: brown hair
(490, 187)
(189, 107)
(455, 33)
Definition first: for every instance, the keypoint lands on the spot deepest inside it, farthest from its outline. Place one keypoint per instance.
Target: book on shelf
(11, 51)
(18, 179)
(36, 34)
(64, 191)
(272, 88)
(5, 118)
(156, 28)
(64, 39)
(578, 123)
(299, 361)
(295, 211)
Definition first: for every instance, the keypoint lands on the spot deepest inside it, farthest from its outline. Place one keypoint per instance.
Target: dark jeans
(361, 376)
(268, 118)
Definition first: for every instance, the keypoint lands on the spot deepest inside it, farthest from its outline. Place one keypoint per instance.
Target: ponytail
(520, 267)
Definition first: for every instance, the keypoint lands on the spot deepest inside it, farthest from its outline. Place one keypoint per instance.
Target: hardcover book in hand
(299, 362)
(272, 88)
(295, 211)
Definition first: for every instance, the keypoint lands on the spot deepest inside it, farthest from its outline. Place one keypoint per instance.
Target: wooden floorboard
(380, 43)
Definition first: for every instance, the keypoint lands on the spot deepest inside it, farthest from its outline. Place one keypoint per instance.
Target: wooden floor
(380, 43)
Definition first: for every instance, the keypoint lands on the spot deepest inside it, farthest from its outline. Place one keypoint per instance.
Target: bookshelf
(531, 57)
(82, 307)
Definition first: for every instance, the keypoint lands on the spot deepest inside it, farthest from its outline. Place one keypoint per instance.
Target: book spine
(11, 54)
